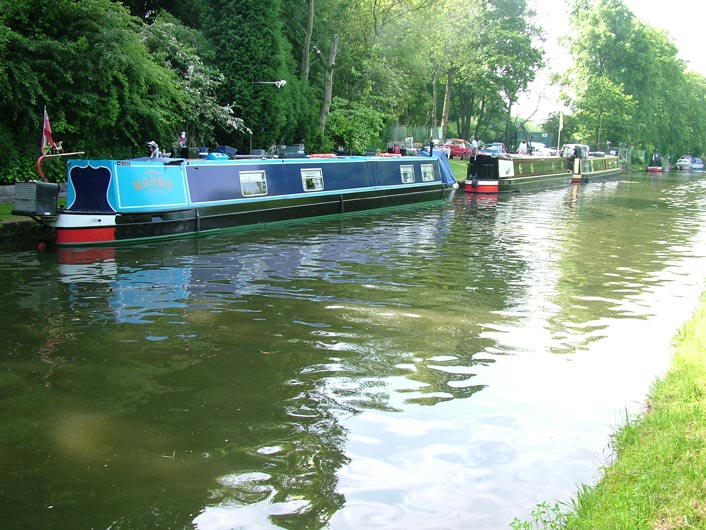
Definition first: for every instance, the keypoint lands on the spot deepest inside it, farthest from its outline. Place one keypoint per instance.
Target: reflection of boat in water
(135, 295)
(111, 201)
(139, 282)
(92, 265)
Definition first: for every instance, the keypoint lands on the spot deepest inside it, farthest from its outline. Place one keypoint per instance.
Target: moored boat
(586, 165)
(595, 167)
(499, 172)
(655, 164)
(505, 173)
(697, 164)
(114, 201)
(684, 163)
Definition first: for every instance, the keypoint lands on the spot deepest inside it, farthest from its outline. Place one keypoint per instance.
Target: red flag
(48, 142)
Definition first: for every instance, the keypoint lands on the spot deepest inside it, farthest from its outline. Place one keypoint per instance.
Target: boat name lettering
(155, 184)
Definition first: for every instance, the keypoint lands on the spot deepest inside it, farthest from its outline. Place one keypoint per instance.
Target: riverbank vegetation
(628, 86)
(657, 480)
(333, 74)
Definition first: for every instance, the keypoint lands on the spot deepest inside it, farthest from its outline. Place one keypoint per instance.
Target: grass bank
(5, 209)
(459, 168)
(658, 481)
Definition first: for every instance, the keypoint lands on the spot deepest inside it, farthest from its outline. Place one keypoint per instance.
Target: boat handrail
(53, 155)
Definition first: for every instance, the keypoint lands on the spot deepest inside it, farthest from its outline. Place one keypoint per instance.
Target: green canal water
(448, 365)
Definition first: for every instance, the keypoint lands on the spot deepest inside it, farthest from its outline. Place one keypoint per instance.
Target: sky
(680, 18)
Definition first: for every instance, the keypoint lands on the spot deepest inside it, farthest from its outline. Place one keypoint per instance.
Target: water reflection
(396, 369)
(259, 316)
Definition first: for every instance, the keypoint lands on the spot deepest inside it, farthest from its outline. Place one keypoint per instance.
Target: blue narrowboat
(121, 201)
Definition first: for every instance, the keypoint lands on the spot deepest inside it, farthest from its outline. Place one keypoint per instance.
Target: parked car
(459, 148)
(540, 149)
(493, 149)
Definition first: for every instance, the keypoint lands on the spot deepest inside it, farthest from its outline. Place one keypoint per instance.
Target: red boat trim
(73, 256)
(481, 188)
(73, 236)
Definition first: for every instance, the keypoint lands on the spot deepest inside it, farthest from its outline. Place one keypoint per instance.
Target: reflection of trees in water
(213, 383)
(211, 380)
(623, 236)
(55, 333)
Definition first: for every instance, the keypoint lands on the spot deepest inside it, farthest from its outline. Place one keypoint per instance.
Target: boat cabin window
(427, 172)
(312, 179)
(407, 173)
(253, 183)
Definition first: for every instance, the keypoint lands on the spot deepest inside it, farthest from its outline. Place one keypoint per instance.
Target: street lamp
(278, 84)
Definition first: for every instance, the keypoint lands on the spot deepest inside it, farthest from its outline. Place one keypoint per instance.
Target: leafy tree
(601, 107)
(354, 127)
(180, 48)
(485, 57)
(568, 133)
(627, 83)
(377, 57)
(511, 56)
(252, 54)
(112, 81)
(86, 62)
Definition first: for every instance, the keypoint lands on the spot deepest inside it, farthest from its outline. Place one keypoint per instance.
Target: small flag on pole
(561, 121)
(48, 142)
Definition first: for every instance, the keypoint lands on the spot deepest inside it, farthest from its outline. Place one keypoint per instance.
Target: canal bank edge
(656, 480)
(15, 227)
(19, 229)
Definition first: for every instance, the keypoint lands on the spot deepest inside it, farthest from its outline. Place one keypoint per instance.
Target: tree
(603, 111)
(86, 62)
(328, 64)
(490, 56)
(627, 82)
(511, 55)
(252, 53)
(179, 49)
(354, 127)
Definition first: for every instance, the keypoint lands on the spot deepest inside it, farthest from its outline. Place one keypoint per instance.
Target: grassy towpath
(5, 209)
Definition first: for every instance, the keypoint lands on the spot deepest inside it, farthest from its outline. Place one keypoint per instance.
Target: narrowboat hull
(491, 174)
(122, 201)
(592, 169)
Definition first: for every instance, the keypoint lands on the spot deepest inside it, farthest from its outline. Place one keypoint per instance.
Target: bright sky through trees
(680, 18)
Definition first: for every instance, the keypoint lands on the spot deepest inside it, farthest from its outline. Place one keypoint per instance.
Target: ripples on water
(441, 366)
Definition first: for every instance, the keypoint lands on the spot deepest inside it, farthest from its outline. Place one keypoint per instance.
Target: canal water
(442, 366)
